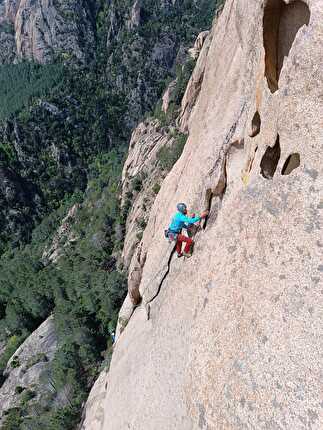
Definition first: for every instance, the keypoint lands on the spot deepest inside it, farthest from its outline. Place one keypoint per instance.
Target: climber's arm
(188, 220)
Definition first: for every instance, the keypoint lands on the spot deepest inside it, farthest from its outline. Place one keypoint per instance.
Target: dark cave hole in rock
(281, 24)
(255, 125)
(213, 200)
(207, 206)
(270, 159)
(292, 162)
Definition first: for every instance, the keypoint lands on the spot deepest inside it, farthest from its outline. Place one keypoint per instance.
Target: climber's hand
(204, 214)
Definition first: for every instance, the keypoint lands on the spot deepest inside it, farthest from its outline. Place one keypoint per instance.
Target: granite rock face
(195, 51)
(234, 338)
(141, 179)
(168, 95)
(201, 49)
(64, 237)
(135, 16)
(142, 173)
(44, 29)
(27, 369)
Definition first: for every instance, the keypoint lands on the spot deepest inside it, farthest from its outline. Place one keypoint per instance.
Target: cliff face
(141, 179)
(45, 29)
(234, 335)
(146, 167)
(27, 375)
(63, 134)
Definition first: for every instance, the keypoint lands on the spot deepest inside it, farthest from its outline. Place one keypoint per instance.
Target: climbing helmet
(181, 207)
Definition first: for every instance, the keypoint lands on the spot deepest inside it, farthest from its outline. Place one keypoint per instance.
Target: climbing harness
(171, 235)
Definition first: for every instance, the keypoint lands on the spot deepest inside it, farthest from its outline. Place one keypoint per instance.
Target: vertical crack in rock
(208, 205)
(218, 176)
(218, 193)
(160, 284)
(227, 141)
(249, 164)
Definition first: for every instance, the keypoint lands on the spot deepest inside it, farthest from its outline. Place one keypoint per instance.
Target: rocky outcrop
(63, 238)
(45, 29)
(7, 44)
(141, 180)
(27, 370)
(2, 347)
(19, 204)
(94, 412)
(234, 338)
(135, 16)
(147, 56)
(201, 49)
(9, 9)
(168, 95)
(198, 45)
(142, 174)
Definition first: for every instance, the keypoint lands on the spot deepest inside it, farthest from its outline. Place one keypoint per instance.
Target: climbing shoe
(179, 255)
(187, 255)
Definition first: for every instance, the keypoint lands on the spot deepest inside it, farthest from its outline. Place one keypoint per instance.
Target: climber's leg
(179, 244)
(188, 243)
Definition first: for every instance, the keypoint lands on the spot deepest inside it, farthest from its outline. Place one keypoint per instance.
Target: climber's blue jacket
(180, 220)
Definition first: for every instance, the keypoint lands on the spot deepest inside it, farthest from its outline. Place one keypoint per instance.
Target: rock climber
(179, 221)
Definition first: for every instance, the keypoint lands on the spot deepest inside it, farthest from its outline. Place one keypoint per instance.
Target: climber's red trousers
(188, 243)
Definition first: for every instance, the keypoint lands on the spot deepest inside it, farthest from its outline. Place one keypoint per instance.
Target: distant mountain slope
(121, 58)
